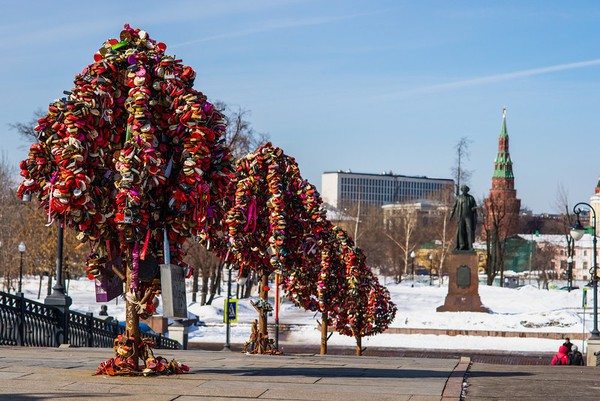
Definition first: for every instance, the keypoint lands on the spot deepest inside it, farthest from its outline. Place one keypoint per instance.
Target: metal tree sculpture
(276, 223)
(273, 223)
(131, 158)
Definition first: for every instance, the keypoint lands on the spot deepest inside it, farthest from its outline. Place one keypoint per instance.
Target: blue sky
(368, 86)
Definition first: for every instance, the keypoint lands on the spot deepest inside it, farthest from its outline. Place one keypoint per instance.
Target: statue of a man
(465, 208)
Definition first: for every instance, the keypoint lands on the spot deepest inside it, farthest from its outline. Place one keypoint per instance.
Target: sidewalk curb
(454, 385)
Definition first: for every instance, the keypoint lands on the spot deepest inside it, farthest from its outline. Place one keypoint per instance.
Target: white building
(582, 254)
(342, 188)
(423, 211)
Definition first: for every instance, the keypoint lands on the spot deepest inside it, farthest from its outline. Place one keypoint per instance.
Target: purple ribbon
(135, 267)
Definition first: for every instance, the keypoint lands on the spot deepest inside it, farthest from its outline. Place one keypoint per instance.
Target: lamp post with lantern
(577, 232)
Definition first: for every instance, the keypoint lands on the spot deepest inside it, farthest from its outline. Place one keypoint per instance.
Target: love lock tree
(273, 225)
(363, 306)
(276, 223)
(331, 282)
(131, 158)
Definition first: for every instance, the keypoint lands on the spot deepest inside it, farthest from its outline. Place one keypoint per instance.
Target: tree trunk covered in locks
(132, 322)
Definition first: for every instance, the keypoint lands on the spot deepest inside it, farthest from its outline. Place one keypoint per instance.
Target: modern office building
(344, 188)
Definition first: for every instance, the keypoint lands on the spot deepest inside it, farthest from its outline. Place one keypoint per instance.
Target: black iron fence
(24, 322)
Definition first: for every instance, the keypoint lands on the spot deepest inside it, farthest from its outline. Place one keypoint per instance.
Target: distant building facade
(582, 254)
(423, 211)
(343, 188)
(502, 205)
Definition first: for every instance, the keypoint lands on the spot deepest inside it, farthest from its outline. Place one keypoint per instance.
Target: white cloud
(496, 78)
(275, 26)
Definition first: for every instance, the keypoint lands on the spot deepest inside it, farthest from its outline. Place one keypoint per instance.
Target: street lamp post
(277, 311)
(59, 299)
(577, 232)
(412, 260)
(570, 249)
(569, 273)
(430, 269)
(22, 249)
(227, 346)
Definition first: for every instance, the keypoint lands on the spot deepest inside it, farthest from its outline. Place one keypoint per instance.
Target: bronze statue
(465, 208)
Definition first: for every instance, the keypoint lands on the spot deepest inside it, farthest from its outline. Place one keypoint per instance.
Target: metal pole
(570, 247)
(412, 259)
(569, 275)
(595, 332)
(276, 311)
(227, 346)
(58, 298)
(21, 273)
(59, 287)
(594, 270)
(431, 270)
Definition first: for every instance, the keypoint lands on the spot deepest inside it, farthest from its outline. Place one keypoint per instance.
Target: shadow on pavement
(321, 371)
(54, 396)
(476, 374)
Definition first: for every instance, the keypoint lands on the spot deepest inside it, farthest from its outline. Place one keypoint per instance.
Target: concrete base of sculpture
(463, 284)
(593, 346)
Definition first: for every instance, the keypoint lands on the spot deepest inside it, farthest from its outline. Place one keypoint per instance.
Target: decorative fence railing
(24, 322)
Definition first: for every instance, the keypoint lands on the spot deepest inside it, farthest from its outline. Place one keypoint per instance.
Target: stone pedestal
(179, 331)
(593, 346)
(463, 284)
(180, 334)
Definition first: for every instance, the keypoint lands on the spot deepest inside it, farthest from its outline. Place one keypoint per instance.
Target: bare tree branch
(26, 129)
(240, 137)
(462, 175)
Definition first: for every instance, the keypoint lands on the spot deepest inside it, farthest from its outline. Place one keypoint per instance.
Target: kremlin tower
(502, 206)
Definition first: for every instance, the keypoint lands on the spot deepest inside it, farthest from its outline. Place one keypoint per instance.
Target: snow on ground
(522, 309)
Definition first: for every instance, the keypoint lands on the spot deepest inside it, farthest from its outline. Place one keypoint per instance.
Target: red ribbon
(145, 248)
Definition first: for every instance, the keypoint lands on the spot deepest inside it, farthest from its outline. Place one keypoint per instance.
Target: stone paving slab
(68, 373)
(532, 383)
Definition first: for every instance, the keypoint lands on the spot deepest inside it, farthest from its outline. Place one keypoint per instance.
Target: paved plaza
(68, 374)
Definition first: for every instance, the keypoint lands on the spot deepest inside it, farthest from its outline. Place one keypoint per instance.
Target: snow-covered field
(524, 309)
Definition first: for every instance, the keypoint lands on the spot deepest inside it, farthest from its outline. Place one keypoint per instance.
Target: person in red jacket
(561, 357)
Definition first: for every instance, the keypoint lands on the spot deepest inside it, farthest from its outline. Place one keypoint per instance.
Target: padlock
(127, 216)
(26, 196)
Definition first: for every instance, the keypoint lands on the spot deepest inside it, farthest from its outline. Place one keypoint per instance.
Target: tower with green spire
(502, 205)
(503, 163)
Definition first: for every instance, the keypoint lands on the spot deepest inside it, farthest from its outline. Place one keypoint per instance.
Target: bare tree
(463, 153)
(205, 266)
(543, 257)
(401, 230)
(444, 228)
(493, 221)
(368, 229)
(8, 209)
(240, 137)
(26, 129)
